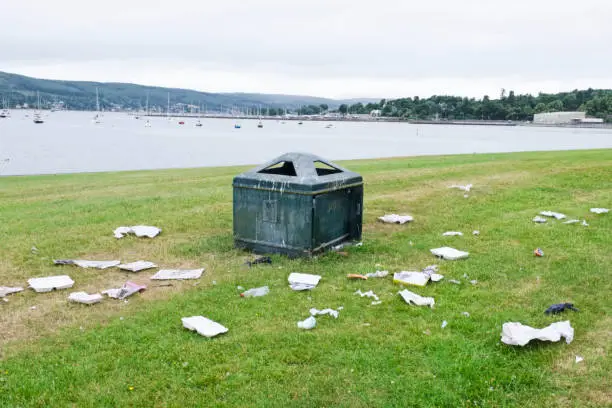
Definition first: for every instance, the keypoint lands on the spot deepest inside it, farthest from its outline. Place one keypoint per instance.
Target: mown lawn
(118, 354)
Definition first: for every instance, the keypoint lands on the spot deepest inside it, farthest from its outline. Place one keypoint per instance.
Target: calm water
(70, 142)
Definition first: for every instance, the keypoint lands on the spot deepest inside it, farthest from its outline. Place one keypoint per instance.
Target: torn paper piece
(127, 290)
(413, 298)
(450, 254)
(377, 274)
(256, 292)
(465, 188)
(517, 334)
(584, 223)
(466, 314)
(333, 313)
(396, 219)
(600, 210)
(376, 302)
(51, 282)
(539, 219)
(303, 281)
(138, 230)
(369, 294)
(571, 221)
(444, 324)
(579, 359)
(431, 272)
(429, 269)
(356, 276)
(456, 282)
(137, 266)
(452, 234)
(178, 274)
(556, 215)
(474, 282)
(203, 326)
(411, 278)
(436, 277)
(5, 290)
(476, 232)
(87, 264)
(85, 298)
(307, 324)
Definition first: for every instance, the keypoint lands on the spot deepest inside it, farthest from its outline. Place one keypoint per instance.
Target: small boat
(300, 123)
(147, 123)
(181, 122)
(198, 123)
(329, 126)
(136, 117)
(4, 113)
(260, 125)
(37, 118)
(96, 119)
(237, 126)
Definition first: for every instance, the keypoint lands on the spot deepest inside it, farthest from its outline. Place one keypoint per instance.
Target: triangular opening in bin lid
(283, 168)
(323, 168)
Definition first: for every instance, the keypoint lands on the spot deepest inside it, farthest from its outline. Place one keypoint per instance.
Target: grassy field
(136, 353)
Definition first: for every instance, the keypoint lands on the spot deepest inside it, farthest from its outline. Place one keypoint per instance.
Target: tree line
(509, 106)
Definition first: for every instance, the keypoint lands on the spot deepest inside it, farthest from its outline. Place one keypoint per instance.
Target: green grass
(63, 354)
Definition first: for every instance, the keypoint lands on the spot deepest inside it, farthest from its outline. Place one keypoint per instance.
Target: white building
(564, 118)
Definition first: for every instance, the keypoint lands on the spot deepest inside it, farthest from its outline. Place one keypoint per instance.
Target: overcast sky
(332, 48)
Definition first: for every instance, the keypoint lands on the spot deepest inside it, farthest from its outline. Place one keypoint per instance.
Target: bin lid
(299, 173)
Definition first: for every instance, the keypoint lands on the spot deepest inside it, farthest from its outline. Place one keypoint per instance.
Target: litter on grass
(456, 282)
(138, 230)
(307, 324)
(256, 292)
(584, 223)
(127, 290)
(476, 232)
(303, 281)
(538, 252)
(203, 326)
(444, 324)
(369, 294)
(6, 290)
(452, 234)
(413, 298)
(356, 276)
(571, 221)
(465, 188)
(333, 313)
(87, 264)
(377, 274)
(600, 210)
(376, 302)
(411, 278)
(137, 266)
(474, 282)
(539, 219)
(466, 314)
(450, 254)
(178, 274)
(50, 283)
(431, 272)
(85, 298)
(560, 307)
(556, 215)
(259, 260)
(396, 219)
(579, 359)
(517, 334)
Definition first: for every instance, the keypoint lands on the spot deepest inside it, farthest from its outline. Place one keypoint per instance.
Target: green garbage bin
(298, 205)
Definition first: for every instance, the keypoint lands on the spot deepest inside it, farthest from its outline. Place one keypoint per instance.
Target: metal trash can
(298, 205)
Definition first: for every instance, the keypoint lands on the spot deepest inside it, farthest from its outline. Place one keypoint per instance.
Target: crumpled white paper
(465, 188)
(517, 334)
(204, 326)
(333, 313)
(303, 281)
(307, 324)
(84, 297)
(5, 290)
(539, 220)
(138, 230)
(369, 294)
(600, 210)
(137, 266)
(127, 290)
(377, 274)
(396, 219)
(556, 215)
(178, 274)
(452, 234)
(450, 254)
(410, 297)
